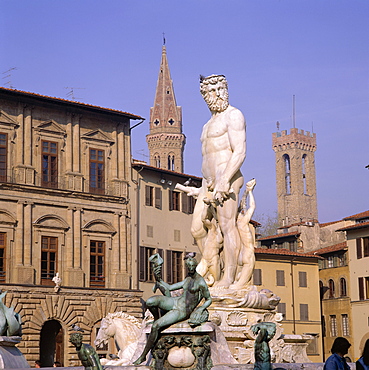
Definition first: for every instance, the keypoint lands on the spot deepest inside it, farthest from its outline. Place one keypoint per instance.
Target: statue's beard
(217, 104)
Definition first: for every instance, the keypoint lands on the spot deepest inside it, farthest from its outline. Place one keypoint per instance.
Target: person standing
(337, 361)
(363, 362)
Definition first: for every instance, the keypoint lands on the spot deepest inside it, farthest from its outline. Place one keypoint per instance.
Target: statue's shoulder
(235, 114)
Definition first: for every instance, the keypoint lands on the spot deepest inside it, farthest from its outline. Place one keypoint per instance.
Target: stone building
(166, 140)
(294, 277)
(161, 223)
(295, 174)
(64, 208)
(357, 234)
(335, 296)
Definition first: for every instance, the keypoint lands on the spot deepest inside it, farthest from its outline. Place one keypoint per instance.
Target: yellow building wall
(337, 306)
(293, 295)
(360, 308)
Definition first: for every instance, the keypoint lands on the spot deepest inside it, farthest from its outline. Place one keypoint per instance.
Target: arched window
(287, 173)
(157, 161)
(304, 173)
(331, 288)
(171, 162)
(343, 287)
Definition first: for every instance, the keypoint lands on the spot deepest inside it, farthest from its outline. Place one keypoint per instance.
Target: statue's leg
(227, 215)
(165, 321)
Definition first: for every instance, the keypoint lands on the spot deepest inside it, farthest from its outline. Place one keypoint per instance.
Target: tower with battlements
(295, 175)
(166, 140)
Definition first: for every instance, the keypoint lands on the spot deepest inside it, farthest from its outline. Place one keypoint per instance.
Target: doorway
(51, 343)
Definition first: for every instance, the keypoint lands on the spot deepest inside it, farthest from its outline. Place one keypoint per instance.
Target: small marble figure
(57, 280)
(86, 353)
(178, 308)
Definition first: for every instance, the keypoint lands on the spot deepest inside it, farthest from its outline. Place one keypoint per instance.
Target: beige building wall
(359, 269)
(157, 226)
(53, 204)
(293, 295)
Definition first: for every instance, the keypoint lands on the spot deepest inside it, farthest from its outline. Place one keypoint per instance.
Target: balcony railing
(117, 188)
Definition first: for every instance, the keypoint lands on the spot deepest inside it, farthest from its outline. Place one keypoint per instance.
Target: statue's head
(76, 339)
(214, 90)
(191, 262)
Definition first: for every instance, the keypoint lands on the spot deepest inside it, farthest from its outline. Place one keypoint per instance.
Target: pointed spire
(166, 118)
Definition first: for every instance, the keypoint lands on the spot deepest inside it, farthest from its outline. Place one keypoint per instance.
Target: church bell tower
(166, 141)
(295, 174)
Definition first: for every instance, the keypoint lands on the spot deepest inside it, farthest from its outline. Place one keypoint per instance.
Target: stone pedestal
(235, 324)
(10, 356)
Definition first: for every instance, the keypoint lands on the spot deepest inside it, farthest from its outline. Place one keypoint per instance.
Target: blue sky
(269, 50)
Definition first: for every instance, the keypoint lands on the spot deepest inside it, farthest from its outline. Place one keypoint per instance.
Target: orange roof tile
(332, 248)
(276, 236)
(283, 252)
(364, 214)
(60, 100)
(359, 225)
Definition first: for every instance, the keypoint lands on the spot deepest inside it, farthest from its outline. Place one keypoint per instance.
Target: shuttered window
(174, 266)
(257, 277)
(149, 195)
(280, 278)
(304, 312)
(2, 257)
(302, 279)
(145, 270)
(158, 198)
(281, 308)
(174, 197)
(361, 288)
(3, 157)
(359, 253)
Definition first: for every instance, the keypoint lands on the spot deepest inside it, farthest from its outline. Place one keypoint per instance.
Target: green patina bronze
(264, 332)
(86, 353)
(178, 308)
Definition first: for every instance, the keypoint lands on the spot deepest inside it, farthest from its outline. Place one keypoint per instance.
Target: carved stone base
(235, 324)
(180, 346)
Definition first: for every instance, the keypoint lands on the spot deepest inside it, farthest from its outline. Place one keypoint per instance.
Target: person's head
(57, 364)
(365, 353)
(191, 262)
(76, 339)
(214, 90)
(340, 346)
(37, 364)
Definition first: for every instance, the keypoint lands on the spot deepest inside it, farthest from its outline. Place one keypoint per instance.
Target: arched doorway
(51, 343)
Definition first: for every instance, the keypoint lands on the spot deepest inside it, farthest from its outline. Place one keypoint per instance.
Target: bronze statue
(178, 308)
(264, 332)
(86, 353)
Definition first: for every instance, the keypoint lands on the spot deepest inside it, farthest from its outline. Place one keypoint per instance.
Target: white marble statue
(57, 281)
(126, 330)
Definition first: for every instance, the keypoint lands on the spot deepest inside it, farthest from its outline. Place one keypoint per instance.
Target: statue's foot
(223, 283)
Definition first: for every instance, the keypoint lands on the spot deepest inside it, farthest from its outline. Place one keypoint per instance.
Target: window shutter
(304, 312)
(185, 202)
(170, 200)
(302, 279)
(359, 253)
(282, 309)
(280, 277)
(366, 246)
(191, 204)
(169, 267)
(257, 277)
(158, 198)
(147, 195)
(142, 264)
(361, 288)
